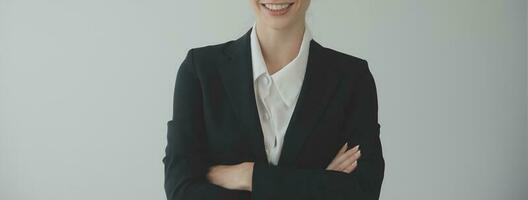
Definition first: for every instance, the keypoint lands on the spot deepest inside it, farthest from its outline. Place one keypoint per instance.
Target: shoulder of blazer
(205, 59)
(210, 51)
(349, 65)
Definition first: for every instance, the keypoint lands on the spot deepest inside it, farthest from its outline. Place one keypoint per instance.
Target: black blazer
(215, 121)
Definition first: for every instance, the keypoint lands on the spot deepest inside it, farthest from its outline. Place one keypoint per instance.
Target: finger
(351, 167)
(340, 157)
(349, 160)
(341, 151)
(332, 165)
(347, 154)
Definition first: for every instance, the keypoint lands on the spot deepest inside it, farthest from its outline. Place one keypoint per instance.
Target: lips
(277, 9)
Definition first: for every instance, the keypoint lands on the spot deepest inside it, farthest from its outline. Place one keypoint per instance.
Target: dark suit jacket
(215, 121)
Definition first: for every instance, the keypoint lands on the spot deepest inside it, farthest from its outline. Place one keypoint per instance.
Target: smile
(277, 9)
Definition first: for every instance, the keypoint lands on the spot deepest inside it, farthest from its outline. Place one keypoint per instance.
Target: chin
(280, 20)
(277, 24)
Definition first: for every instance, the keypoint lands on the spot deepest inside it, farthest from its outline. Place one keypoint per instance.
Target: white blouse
(277, 94)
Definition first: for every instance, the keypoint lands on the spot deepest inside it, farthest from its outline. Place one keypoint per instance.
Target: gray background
(86, 90)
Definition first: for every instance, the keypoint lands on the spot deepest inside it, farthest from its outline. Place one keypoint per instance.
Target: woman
(274, 115)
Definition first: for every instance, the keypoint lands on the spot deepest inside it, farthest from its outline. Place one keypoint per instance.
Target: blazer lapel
(237, 76)
(319, 84)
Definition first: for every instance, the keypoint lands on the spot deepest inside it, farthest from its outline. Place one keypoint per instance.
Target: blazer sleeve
(185, 160)
(364, 183)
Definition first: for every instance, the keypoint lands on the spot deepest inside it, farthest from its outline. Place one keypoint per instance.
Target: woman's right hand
(345, 160)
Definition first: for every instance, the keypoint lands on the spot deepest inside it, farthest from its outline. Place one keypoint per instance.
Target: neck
(279, 47)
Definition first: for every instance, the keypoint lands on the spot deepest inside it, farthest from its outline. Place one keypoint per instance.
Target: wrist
(247, 176)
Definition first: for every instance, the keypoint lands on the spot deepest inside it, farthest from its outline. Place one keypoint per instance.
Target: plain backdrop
(86, 90)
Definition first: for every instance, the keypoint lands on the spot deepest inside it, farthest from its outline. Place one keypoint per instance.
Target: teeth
(276, 6)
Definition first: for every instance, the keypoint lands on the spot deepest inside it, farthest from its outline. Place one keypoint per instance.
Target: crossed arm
(240, 176)
(187, 168)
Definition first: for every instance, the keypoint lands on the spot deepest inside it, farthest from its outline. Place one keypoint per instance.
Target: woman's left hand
(234, 177)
